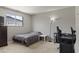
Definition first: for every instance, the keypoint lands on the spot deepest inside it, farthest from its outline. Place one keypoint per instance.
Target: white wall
(77, 29)
(12, 30)
(41, 22)
(65, 19)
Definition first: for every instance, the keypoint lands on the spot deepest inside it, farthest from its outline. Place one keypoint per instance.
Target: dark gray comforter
(27, 38)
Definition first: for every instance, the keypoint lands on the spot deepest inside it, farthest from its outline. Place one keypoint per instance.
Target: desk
(67, 44)
(64, 37)
(68, 39)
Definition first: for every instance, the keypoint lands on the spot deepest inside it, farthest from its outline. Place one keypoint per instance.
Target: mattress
(27, 37)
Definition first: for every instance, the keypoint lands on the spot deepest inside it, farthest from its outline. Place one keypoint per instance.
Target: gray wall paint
(12, 30)
(65, 19)
(41, 22)
(77, 29)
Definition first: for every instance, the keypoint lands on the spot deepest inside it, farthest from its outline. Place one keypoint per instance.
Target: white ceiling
(35, 9)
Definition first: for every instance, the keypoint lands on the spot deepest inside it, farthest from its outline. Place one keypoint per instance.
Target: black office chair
(58, 35)
(73, 34)
(59, 31)
(73, 31)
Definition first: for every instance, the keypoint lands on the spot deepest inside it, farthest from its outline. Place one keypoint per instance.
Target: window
(13, 20)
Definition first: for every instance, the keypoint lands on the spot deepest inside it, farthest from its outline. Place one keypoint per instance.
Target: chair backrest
(72, 31)
(59, 31)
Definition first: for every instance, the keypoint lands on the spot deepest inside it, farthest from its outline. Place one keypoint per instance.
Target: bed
(27, 38)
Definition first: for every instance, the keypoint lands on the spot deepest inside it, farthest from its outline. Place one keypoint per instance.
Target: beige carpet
(39, 47)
